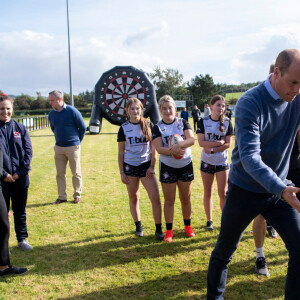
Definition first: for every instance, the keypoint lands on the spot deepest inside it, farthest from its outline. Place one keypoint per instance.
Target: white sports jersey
(137, 147)
(211, 131)
(165, 131)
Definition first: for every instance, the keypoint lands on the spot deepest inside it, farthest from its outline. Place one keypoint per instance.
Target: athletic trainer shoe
(261, 267)
(13, 271)
(169, 236)
(77, 200)
(209, 225)
(159, 235)
(24, 245)
(272, 232)
(139, 231)
(189, 231)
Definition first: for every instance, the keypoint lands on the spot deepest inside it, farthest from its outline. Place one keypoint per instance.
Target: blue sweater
(17, 150)
(185, 115)
(68, 126)
(265, 131)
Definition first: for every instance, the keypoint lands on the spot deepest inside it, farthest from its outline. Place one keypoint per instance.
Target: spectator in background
(196, 113)
(207, 110)
(69, 129)
(17, 154)
(228, 112)
(184, 114)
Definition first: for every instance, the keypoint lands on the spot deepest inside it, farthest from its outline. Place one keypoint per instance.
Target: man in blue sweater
(266, 121)
(69, 129)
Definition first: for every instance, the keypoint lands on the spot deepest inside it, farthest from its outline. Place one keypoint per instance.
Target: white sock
(260, 252)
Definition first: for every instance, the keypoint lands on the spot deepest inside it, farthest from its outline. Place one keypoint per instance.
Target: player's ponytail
(144, 124)
(213, 100)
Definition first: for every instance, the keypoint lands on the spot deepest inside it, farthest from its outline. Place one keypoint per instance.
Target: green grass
(89, 251)
(236, 95)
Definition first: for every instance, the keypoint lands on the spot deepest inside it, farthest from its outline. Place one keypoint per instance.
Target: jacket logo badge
(17, 135)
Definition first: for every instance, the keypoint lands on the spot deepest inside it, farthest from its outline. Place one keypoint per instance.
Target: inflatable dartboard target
(113, 90)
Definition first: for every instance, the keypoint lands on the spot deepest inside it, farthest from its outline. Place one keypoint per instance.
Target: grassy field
(89, 251)
(233, 95)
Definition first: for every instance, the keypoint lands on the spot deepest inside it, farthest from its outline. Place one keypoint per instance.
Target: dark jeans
(4, 232)
(17, 192)
(294, 176)
(195, 124)
(240, 208)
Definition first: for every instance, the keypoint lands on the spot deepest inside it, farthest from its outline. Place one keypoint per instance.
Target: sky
(232, 41)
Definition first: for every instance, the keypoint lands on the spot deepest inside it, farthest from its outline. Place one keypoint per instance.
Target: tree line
(166, 81)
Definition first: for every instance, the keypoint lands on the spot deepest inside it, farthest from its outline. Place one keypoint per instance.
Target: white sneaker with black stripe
(261, 267)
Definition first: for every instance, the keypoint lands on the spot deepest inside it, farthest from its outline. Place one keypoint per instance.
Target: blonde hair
(143, 122)
(213, 100)
(164, 99)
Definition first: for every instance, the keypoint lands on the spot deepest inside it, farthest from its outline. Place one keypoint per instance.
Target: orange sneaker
(169, 236)
(189, 231)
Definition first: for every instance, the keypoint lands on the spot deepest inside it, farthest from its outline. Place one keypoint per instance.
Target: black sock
(187, 222)
(158, 228)
(169, 226)
(138, 224)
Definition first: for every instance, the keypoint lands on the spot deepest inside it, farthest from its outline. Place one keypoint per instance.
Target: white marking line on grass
(36, 156)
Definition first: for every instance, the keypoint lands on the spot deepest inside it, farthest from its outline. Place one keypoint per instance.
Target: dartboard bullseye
(113, 90)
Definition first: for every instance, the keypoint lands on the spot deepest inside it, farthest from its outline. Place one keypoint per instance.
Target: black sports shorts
(136, 171)
(211, 169)
(171, 175)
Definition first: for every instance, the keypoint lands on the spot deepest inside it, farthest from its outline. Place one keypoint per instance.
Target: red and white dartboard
(113, 90)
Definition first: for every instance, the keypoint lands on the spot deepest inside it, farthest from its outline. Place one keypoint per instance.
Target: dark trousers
(17, 192)
(294, 176)
(4, 232)
(240, 208)
(195, 124)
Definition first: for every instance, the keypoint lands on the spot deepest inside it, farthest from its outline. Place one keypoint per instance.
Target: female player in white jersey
(174, 172)
(214, 135)
(137, 157)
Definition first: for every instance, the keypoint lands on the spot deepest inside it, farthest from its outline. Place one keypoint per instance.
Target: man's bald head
(285, 59)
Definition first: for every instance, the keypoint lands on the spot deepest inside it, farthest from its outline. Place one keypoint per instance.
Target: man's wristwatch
(212, 151)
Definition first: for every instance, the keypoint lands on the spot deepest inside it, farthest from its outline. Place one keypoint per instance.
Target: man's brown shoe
(59, 201)
(77, 200)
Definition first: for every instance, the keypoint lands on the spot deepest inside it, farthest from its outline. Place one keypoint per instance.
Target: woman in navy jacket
(17, 153)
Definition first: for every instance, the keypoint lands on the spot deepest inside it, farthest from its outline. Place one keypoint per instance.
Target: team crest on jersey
(17, 135)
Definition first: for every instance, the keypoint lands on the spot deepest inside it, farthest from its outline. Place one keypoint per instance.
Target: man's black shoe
(13, 271)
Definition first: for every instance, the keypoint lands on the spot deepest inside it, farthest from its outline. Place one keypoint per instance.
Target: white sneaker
(261, 267)
(24, 245)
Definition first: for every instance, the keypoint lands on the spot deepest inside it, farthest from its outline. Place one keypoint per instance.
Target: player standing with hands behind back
(174, 172)
(137, 157)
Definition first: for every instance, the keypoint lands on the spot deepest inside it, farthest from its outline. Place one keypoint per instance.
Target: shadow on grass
(164, 288)
(90, 253)
(38, 205)
(195, 284)
(109, 250)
